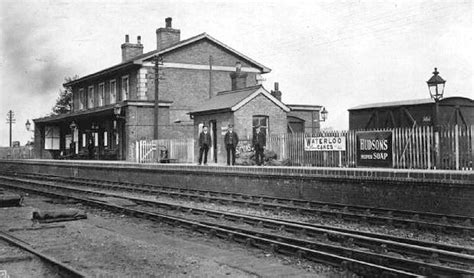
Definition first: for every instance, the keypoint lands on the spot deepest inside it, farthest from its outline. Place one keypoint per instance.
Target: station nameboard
(374, 148)
(326, 143)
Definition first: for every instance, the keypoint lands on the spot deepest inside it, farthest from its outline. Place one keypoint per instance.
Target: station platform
(439, 191)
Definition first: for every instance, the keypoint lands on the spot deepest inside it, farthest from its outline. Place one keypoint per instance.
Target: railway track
(350, 252)
(60, 269)
(379, 216)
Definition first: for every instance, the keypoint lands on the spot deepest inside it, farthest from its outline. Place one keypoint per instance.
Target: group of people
(231, 140)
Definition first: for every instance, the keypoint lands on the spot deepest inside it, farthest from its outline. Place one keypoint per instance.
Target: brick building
(116, 106)
(246, 107)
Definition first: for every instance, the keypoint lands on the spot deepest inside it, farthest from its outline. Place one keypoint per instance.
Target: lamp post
(30, 145)
(117, 114)
(436, 88)
(323, 115)
(28, 127)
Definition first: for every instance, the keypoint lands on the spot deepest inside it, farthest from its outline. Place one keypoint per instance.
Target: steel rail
(440, 246)
(304, 207)
(360, 267)
(389, 245)
(62, 269)
(392, 213)
(429, 253)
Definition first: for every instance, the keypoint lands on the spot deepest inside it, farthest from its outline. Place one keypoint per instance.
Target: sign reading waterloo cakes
(374, 148)
(326, 143)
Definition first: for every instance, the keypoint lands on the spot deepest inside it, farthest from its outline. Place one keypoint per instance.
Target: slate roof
(225, 100)
(233, 100)
(138, 60)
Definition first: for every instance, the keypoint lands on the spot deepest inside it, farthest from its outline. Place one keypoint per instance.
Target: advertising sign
(326, 143)
(374, 148)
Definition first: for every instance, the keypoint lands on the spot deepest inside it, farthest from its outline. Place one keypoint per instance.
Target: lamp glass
(324, 114)
(117, 110)
(28, 125)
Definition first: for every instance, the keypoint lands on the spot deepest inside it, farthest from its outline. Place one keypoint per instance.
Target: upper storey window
(125, 87)
(90, 97)
(101, 94)
(81, 99)
(112, 91)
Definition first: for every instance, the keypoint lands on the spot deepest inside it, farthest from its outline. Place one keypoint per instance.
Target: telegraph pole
(210, 76)
(158, 62)
(11, 120)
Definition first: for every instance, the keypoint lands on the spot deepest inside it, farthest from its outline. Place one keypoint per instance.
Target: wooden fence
(22, 152)
(165, 150)
(412, 148)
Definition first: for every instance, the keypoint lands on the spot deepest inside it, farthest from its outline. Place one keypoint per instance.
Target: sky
(336, 54)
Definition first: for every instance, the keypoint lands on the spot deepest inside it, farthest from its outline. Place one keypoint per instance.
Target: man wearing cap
(204, 144)
(259, 142)
(231, 140)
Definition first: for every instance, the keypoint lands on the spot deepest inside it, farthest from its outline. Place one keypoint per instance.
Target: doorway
(213, 130)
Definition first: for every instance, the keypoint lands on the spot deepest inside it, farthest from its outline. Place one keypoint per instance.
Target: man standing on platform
(259, 142)
(204, 144)
(231, 140)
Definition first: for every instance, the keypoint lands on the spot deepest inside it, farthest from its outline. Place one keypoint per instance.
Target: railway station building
(116, 106)
(245, 108)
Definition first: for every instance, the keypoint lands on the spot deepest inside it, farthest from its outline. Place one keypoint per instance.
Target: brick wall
(134, 93)
(309, 119)
(261, 106)
(447, 192)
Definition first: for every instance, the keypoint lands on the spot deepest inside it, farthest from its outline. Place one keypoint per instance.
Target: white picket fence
(165, 150)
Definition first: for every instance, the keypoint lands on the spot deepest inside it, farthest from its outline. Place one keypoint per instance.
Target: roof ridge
(238, 90)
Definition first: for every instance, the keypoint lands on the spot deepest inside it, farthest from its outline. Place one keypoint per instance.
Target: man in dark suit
(231, 140)
(204, 144)
(259, 142)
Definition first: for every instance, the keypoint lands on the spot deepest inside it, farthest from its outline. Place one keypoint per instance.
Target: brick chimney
(239, 78)
(167, 36)
(131, 50)
(276, 93)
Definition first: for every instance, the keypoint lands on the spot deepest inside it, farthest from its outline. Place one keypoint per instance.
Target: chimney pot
(167, 36)
(276, 93)
(238, 66)
(168, 22)
(131, 50)
(238, 78)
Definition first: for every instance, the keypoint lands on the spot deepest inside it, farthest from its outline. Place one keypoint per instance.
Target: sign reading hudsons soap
(374, 148)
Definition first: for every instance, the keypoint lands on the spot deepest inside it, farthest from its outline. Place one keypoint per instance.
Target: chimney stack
(165, 37)
(131, 50)
(239, 78)
(276, 93)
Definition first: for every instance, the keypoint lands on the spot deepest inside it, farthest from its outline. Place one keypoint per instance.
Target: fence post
(456, 145)
(136, 152)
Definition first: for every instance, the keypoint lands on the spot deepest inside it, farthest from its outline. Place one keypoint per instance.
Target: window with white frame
(112, 91)
(106, 138)
(262, 122)
(84, 140)
(125, 87)
(81, 99)
(51, 138)
(90, 97)
(101, 94)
